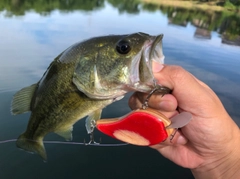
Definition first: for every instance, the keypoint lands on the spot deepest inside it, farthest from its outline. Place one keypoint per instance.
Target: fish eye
(123, 47)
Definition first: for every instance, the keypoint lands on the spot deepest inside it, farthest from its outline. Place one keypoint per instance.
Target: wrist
(221, 166)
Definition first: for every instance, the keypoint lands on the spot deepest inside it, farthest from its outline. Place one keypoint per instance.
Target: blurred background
(201, 36)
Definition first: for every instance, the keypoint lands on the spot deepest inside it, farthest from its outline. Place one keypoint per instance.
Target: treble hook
(92, 141)
(161, 89)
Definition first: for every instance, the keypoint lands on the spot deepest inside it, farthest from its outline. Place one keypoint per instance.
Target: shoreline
(191, 4)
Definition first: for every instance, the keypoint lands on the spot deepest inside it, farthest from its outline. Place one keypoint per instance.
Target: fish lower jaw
(104, 95)
(138, 86)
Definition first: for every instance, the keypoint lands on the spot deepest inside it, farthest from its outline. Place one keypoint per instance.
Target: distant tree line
(223, 22)
(44, 7)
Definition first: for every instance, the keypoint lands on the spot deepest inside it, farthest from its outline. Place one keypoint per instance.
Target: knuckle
(178, 73)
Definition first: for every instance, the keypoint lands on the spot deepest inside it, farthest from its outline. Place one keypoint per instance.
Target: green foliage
(226, 22)
(229, 5)
(230, 27)
(150, 7)
(129, 6)
(235, 2)
(44, 7)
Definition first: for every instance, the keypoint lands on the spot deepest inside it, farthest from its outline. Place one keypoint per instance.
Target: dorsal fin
(22, 100)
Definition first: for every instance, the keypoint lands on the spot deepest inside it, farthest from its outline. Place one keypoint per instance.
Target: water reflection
(225, 22)
(206, 21)
(19, 8)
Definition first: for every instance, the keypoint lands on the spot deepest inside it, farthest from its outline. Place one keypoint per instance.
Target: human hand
(209, 145)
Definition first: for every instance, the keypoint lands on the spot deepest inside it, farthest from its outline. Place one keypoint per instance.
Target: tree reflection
(226, 23)
(129, 6)
(44, 7)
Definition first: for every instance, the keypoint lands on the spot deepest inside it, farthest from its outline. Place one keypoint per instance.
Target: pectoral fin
(90, 122)
(66, 133)
(22, 100)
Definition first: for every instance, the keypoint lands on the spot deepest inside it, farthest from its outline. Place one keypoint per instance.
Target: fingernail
(156, 67)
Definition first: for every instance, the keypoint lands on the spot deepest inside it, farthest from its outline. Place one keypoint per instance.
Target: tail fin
(32, 146)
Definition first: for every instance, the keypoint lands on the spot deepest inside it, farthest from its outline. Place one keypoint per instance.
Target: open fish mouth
(156, 53)
(142, 77)
(153, 51)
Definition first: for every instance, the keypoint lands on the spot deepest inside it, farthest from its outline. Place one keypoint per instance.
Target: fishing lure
(144, 126)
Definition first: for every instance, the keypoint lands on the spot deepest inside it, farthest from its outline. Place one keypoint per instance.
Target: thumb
(187, 89)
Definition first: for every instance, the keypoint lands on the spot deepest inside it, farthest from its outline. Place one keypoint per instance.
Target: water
(32, 34)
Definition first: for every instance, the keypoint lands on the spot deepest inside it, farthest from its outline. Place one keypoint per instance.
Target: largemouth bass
(81, 81)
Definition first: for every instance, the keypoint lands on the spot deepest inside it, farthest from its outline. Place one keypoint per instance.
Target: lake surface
(32, 34)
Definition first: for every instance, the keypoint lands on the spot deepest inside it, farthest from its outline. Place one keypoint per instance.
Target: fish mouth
(156, 53)
(143, 79)
(153, 51)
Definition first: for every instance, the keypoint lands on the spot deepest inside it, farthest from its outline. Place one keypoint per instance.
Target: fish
(81, 81)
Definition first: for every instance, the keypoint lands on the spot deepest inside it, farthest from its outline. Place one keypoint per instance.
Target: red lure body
(140, 127)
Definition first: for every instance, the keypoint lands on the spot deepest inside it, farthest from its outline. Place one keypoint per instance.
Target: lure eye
(123, 47)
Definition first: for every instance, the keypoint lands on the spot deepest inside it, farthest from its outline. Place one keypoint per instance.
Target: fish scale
(81, 81)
